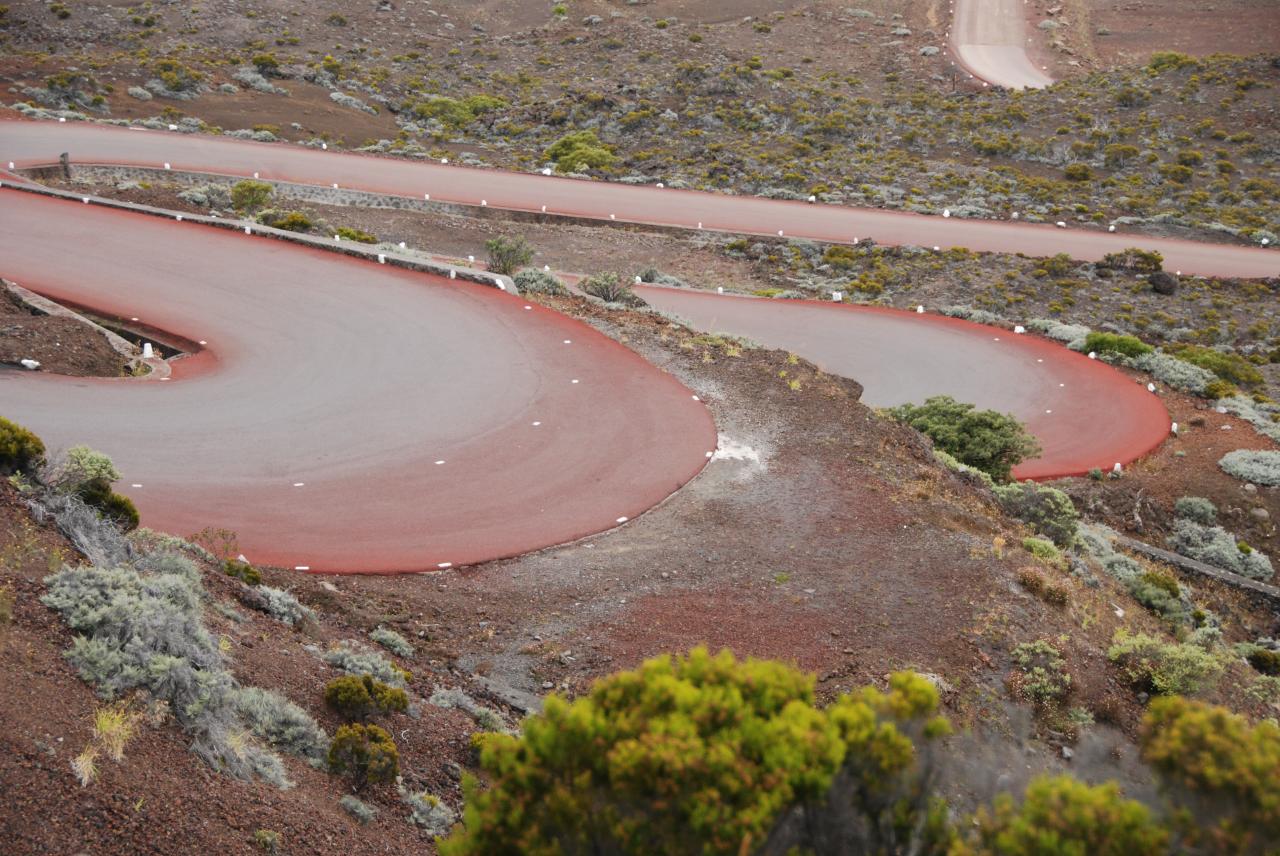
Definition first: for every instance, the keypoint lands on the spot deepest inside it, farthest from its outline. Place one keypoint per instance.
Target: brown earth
(60, 345)
(846, 549)
(1134, 29)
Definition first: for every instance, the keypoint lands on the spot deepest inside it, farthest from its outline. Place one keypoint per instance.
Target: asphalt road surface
(313, 420)
(345, 416)
(989, 38)
(27, 143)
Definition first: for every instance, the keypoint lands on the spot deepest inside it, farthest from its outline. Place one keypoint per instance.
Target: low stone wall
(1261, 593)
(341, 196)
(349, 248)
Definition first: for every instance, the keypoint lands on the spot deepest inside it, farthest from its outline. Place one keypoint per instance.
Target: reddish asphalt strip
(344, 416)
(32, 143)
(1085, 413)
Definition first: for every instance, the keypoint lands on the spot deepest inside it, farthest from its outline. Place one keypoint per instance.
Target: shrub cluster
(1049, 511)
(359, 698)
(1165, 668)
(705, 754)
(1215, 546)
(538, 282)
(1116, 343)
(20, 449)
(1258, 467)
(984, 439)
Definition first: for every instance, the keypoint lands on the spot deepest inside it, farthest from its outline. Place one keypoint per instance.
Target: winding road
(346, 416)
(989, 38)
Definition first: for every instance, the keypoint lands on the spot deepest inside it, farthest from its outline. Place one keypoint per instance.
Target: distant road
(990, 38)
(40, 142)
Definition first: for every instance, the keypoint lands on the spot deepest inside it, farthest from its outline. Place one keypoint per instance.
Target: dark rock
(1163, 282)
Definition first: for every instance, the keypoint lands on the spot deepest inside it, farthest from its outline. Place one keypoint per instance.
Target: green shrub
(20, 449)
(1162, 61)
(1196, 508)
(361, 697)
(1160, 580)
(364, 752)
(506, 254)
(358, 235)
(989, 441)
(243, 571)
(1166, 668)
(251, 195)
(1077, 172)
(580, 150)
(1049, 511)
(1264, 660)
(1116, 343)
(1042, 675)
(610, 288)
(703, 754)
(292, 221)
(1042, 550)
(1229, 367)
(1222, 772)
(1134, 259)
(1060, 816)
(538, 282)
(114, 507)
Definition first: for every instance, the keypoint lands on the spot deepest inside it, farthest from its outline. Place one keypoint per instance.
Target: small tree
(251, 195)
(507, 255)
(366, 753)
(989, 441)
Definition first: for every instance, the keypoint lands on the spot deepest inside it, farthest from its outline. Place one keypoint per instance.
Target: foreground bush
(984, 439)
(20, 449)
(1222, 772)
(1063, 816)
(704, 754)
